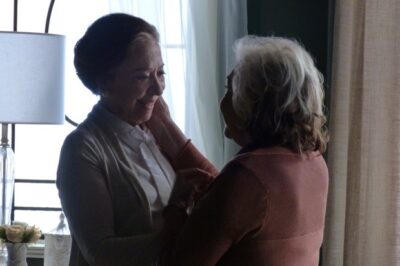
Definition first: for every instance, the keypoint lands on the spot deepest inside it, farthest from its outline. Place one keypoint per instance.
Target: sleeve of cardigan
(88, 206)
(235, 206)
(190, 157)
(176, 146)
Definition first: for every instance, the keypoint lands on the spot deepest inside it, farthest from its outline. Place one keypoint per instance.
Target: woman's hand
(161, 110)
(159, 117)
(167, 134)
(181, 153)
(190, 185)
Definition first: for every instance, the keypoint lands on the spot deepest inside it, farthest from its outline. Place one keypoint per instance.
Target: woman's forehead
(145, 52)
(143, 43)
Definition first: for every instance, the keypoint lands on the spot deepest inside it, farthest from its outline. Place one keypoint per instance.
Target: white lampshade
(31, 78)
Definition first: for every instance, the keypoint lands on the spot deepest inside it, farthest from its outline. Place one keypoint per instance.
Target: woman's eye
(142, 77)
(161, 73)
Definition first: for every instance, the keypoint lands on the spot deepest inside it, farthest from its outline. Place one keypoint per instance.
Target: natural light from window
(37, 146)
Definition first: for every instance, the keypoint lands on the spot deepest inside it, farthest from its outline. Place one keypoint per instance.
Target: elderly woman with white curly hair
(267, 206)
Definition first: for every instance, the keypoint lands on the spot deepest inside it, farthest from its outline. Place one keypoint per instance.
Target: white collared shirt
(148, 164)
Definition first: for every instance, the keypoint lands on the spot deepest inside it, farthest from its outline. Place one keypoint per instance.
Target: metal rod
(4, 182)
(13, 137)
(4, 134)
(15, 18)
(37, 209)
(35, 181)
(72, 122)
(49, 11)
(46, 30)
(4, 144)
(15, 28)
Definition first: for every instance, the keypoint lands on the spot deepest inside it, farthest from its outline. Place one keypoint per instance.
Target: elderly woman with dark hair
(114, 178)
(267, 206)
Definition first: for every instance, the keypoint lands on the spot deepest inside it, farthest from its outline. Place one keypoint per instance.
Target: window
(37, 147)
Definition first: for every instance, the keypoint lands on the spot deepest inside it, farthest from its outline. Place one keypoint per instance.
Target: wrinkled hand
(159, 117)
(190, 185)
(168, 135)
(161, 110)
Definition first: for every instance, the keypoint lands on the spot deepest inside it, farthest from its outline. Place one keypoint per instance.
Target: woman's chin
(240, 137)
(140, 116)
(147, 115)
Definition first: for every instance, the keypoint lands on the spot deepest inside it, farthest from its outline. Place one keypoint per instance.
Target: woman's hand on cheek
(161, 110)
(159, 119)
(168, 135)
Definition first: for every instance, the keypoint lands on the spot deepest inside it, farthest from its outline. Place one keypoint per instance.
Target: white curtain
(169, 17)
(232, 25)
(363, 212)
(208, 29)
(212, 28)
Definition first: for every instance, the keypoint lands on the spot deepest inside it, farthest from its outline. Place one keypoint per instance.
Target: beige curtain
(363, 212)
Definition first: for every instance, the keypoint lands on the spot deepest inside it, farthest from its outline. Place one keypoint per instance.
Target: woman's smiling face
(133, 87)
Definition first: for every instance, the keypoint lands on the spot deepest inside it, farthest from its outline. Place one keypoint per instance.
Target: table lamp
(31, 92)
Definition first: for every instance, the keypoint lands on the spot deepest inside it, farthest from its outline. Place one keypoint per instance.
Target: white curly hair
(278, 93)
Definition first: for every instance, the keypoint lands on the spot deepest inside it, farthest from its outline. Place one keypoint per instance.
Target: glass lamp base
(6, 182)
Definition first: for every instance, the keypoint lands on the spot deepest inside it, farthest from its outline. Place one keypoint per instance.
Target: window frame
(166, 46)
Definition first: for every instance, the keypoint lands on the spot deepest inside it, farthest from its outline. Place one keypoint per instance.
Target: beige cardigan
(107, 209)
(267, 207)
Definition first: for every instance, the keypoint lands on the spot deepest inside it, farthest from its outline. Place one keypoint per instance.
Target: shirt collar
(130, 135)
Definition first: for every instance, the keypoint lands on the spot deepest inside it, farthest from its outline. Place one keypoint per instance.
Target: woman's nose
(158, 85)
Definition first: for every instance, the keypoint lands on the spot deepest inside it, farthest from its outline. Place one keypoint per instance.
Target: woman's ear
(103, 84)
